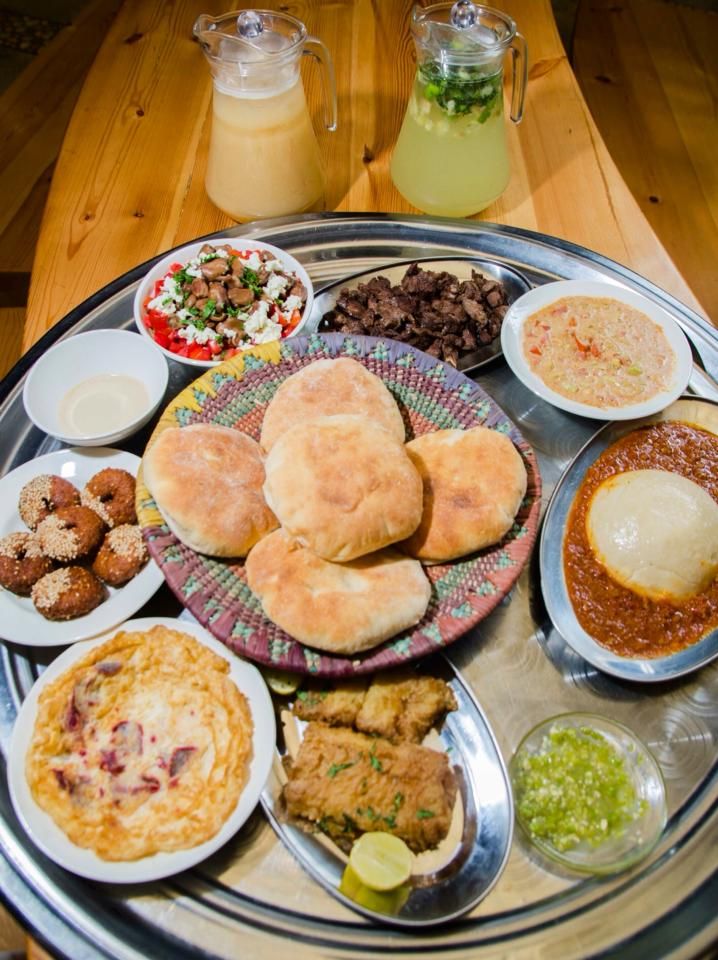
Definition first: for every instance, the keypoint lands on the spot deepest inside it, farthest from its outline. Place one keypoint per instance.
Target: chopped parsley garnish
(250, 278)
(459, 91)
(208, 309)
(198, 323)
(182, 276)
(422, 814)
(336, 768)
(374, 760)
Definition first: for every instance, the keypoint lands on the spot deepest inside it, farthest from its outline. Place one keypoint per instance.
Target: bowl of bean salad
(208, 301)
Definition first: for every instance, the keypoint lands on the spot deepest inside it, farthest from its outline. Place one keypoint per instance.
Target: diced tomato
(214, 347)
(294, 320)
(162, 339)
(233, 351)
(583, 347)
(198, 351)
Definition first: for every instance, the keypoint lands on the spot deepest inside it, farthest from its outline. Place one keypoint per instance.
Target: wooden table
(129, 181)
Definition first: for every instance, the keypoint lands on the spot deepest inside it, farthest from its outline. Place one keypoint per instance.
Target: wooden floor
(649, 72)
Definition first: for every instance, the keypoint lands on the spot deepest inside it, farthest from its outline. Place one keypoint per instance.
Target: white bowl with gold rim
(96, 388)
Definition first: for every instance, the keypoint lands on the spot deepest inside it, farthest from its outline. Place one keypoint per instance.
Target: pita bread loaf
(474, 482)
(207, 483)
(343, 608)
(328, 387)
(655, 532)
(343, 486)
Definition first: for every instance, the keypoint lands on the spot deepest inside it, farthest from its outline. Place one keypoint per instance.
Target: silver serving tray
(473, 866)
(253, 899)
(553, 580)
(514, 282)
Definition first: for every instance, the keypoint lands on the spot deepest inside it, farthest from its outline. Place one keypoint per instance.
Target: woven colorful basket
(431, 396)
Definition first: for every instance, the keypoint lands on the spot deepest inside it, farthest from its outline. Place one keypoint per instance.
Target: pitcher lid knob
(463, 14)
(249, 24)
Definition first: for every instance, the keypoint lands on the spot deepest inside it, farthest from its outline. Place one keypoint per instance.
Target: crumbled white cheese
(276, 285)
(260, 327)
(253, 261)
(169, 297)
(192, 334)
(271, 265)
(292, 303)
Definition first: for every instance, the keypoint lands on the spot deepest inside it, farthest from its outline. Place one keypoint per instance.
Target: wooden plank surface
(649, 71)
(129, 180)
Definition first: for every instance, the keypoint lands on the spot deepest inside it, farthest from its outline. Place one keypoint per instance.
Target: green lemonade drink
(451, 157)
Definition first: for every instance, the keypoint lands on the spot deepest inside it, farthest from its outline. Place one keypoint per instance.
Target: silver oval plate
(465, 872)
(514, 283)
(701, 413)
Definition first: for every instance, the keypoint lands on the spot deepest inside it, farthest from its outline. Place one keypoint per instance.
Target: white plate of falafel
(72, 559)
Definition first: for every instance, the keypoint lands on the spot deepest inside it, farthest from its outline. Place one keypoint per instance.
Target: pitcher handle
(519, 57)
(314, 47)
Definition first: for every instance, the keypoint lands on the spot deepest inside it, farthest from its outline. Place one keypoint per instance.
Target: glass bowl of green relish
(588, 793)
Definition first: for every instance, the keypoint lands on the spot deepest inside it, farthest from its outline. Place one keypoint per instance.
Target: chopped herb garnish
(208, 309)
(198, 323)
(422, 814)
(390, 821)
(349, 824)
(250, 278)
(182, 276)
(459, 91)
(336, 768)
(374, 760)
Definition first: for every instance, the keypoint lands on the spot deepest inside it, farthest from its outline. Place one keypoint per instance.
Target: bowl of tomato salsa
(210, 300)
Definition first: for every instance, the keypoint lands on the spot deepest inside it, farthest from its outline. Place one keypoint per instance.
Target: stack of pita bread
(334, 511)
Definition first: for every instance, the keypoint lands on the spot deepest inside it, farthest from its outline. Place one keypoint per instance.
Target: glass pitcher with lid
(451, 157)
(263, 155)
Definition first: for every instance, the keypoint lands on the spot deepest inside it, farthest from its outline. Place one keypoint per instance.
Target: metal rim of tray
(210, 916)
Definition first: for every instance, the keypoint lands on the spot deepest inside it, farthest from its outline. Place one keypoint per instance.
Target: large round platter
(701, 413)
(512, 343)
(53, 841)
(253, 897)
(431, 395)
(19, 620)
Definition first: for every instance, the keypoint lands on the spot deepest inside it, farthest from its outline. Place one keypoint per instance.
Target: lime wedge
(381, 901)
(281, 681)
(381, 861)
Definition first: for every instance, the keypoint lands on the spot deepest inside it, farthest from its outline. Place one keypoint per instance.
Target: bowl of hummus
(596, 349)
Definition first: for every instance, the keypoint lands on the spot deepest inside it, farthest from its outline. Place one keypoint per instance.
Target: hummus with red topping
(142, 746)
(598, 351)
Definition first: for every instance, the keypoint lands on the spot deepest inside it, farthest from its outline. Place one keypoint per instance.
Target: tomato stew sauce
(625, 622)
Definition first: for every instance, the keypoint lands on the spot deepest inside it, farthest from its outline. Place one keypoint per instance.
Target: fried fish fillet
(338, 706)
(398, 706)
(346, 783)
(404, 707)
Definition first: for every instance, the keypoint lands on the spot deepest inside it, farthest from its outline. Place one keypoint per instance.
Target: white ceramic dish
(53, 841)
(183, 254)
(19, 620)
(97, 353)
(534, 300)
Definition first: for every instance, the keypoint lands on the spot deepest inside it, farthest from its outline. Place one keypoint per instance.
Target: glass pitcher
(451, 157)
(263, 155)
